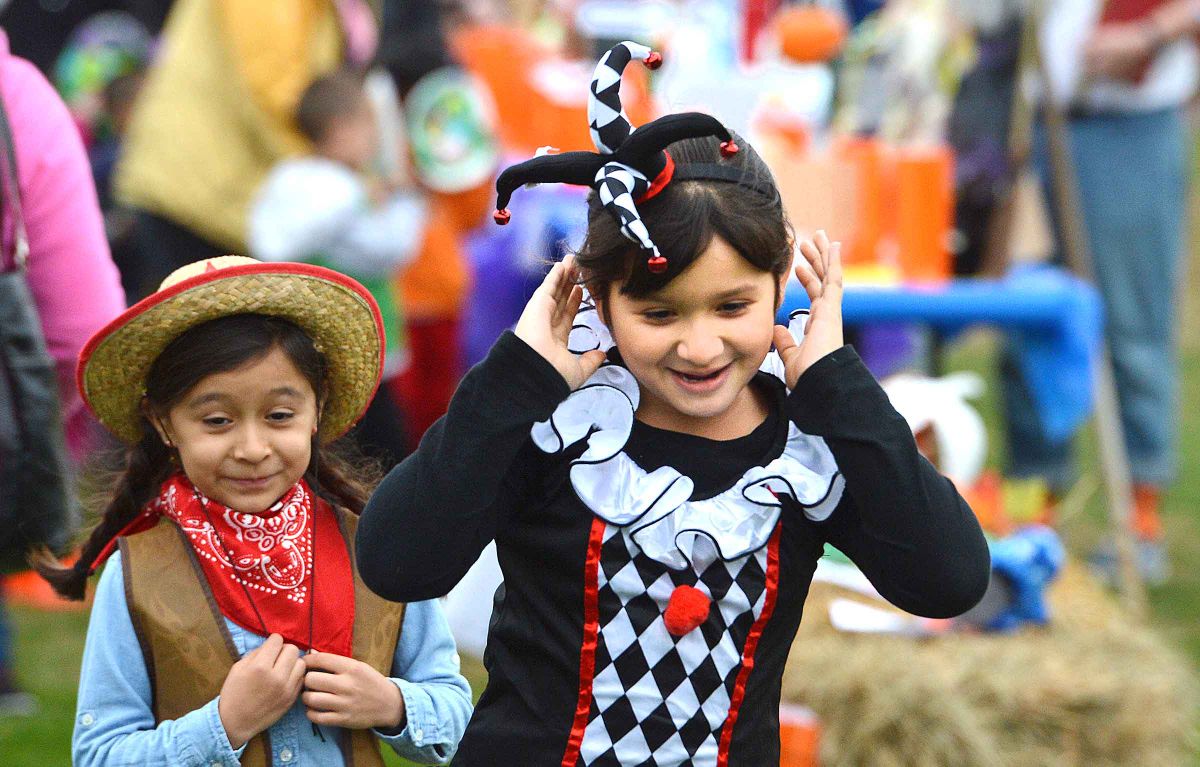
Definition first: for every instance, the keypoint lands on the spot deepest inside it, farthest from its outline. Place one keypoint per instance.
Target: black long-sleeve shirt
(477, 476)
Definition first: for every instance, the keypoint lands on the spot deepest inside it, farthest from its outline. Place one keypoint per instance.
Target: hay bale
(1093, 689)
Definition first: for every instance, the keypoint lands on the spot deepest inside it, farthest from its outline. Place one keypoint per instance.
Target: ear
(600, 299)
(149, 414)
(320, 411)
(781, 288)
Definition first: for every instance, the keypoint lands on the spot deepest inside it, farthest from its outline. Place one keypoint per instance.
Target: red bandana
(272, 565)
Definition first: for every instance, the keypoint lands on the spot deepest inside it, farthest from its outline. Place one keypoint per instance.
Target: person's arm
(70, 271)
(299, 210)
(114, 723)
(437, 698)
(433, 514)
(379, 241)
(1121, 50)
(902, 523)
(1174, 20)
(308, 208)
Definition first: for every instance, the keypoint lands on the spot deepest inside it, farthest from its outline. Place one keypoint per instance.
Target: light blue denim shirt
(114, 724)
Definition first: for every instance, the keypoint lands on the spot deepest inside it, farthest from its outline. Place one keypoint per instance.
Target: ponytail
(147, 466)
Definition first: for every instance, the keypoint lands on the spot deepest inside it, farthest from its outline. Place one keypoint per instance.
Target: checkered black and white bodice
(666, 679)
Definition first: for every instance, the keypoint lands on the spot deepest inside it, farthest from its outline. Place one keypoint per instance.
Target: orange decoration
(799, 736)
(27, 589)
(808, 34)
(925, 211)
(540, 97)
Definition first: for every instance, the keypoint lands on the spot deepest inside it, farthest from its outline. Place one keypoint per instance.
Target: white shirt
(1169, 82)
(313, 207)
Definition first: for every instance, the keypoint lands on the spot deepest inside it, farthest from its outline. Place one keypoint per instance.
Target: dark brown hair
(684, 217)
(338, 94)
(217, 346)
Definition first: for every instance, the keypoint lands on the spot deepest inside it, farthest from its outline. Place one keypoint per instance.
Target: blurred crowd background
(1019, 165)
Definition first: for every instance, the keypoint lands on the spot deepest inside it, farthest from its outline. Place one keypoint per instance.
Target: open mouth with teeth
(700, 379)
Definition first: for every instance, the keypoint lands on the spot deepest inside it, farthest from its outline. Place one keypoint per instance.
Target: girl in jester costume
(661, 465)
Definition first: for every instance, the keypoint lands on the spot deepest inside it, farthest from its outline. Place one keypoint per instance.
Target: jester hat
(631, 165)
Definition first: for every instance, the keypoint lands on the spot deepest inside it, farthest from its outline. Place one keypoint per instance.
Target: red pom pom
(653, 61)
(729, 148)
(656, 264)
(687, 609)
(501, 216)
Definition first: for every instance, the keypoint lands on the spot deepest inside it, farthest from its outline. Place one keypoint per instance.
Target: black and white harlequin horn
(618, 186)
(606, 117)
(632, 165)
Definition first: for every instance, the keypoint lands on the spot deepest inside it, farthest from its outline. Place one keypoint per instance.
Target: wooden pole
(1109, 430)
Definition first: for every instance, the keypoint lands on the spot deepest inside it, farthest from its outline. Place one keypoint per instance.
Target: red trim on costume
(660, 181)
(739, 689)
(591, 632)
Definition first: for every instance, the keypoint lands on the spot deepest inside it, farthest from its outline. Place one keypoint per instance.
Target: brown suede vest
(188, 649)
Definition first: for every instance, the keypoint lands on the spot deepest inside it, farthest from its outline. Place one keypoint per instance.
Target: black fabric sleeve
(902, 523)
(432, 515)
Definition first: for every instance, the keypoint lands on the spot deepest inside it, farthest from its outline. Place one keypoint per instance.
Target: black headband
(711, 171)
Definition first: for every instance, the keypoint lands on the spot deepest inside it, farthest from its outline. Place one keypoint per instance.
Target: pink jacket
(70, 270)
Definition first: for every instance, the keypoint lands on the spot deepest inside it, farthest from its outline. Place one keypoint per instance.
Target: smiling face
(245, 435)
(695, 344)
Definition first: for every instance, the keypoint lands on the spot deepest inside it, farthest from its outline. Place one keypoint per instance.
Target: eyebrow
(733, 292)
(204, 399)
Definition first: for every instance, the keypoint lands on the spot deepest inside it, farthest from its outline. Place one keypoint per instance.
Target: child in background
(233, 611)
(450, 129)
(661, 467)
(323, 209)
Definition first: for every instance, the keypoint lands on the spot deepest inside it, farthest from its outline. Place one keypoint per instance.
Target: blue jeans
(1132, 171)
(5, 639)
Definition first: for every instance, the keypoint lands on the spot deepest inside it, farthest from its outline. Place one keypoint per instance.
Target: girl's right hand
(546, 324)
(259, 689)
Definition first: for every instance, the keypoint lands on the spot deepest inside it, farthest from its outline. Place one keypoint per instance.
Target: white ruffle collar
(654, 508)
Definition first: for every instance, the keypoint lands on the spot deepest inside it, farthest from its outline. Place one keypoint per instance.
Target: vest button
(417, 734)
(285, 755)
(87, 720)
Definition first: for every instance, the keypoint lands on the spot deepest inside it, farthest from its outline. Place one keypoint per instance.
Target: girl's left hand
(345, 692)
(822, 280)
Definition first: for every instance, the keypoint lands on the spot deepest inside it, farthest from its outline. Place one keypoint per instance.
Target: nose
(700, 346)
(252, 444)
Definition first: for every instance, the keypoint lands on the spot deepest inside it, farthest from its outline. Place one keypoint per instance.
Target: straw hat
(339, 315)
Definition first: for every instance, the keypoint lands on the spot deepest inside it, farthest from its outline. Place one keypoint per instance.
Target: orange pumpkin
(808, 34)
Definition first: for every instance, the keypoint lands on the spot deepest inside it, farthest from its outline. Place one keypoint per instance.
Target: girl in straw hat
(231, 609)
(660, 466)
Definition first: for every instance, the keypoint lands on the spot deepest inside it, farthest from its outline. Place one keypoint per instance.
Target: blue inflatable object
(1028, 560)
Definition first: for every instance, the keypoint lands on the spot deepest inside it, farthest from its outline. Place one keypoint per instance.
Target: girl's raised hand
(345, 692)
(546, 324)
(259, 689)
(821, 277)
